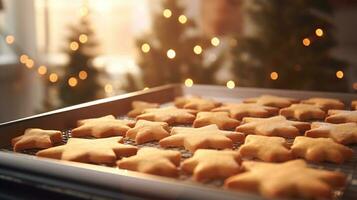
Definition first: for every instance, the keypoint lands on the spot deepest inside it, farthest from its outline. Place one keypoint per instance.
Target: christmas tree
(291, 47)
(172, 52)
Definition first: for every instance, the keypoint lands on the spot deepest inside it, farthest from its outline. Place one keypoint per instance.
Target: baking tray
(92, 181)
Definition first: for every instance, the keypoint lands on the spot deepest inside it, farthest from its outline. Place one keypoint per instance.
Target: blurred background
(56, 53)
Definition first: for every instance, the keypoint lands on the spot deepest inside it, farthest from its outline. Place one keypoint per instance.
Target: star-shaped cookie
(207, 137)
(240, 110)
(170, 115)
(303, 112)
(146, 131)
(269, 149)
(341, 116)
(292, 179)
(98, 151)
(221, 119)
(273, 126)
(320, 149)
(102, 127)
(208, 164)
(270, 100)
(35, 138)
(325, 103)
(354, 105)
(345, 133)
(153, 161)
(140, 106)
(196, 103)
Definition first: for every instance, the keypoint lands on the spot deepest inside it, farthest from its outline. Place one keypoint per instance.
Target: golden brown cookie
(170, 115)
(240, 110)
(102, 127)
(269, 149)
(146, 131)
(341, 116)
(98, 151)
(286, 180)
(354, 105)
(196, 103)
(221, 119)
(273, 126)
(345, 133)
(140, 106)
(325, 103)
(35, 138)
(270, 100)
(320, 149)
(207, 137)
(153, 161)
(208, 164)
(303, 112)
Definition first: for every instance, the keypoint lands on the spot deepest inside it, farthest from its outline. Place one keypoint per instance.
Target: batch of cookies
(276, 135)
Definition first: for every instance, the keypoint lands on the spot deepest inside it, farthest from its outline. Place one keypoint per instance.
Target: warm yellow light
(42, 70)
(197, 49)
(108, 88)
(83, 38)
(230, 84)
(274, 75)
(74, 46)
(189, 82)
(83, 11)
(72, 82)
(53, 77)
(146, 88)
(182, 19)
(82, 75)
(29, 63)
(171, 54)
(23, 58)
(354, 85)
(306, 42)
(145, 47)
(10, 39)
(215, 41)
(339, 74)
(319, 32)
(167, 13)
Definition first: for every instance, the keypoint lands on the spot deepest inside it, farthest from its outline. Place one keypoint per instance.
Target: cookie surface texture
(221, 119)
(303, 112)
(170, 115)
(139, 106)
(240, 110)
(271, 100)
(147, 131)
(196, 103)
(341, 116)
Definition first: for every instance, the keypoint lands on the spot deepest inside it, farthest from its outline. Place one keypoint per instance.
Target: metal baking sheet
(116, 183)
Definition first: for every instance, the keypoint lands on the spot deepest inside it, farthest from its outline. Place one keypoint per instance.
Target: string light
(53, 77)
(42, 70)
(339, 74)
(82, 75)
(10, 39)
(167, 13)
(354, 85)
(29, 63)
(145, 47)
(230, 84)
(83, 38)
(83, 11)
(306, 42)
(189, 82)
(319, 32)
(72, 82)
(274, 75)
(108, 88)
(215, 41)
(171, 54)
(74, 46)
(197, 49)
(23, 58)
(182, 19)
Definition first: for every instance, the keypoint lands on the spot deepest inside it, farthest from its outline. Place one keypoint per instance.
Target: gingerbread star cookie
(221, 119)
(325, 103)
(303, 112)
(98, 151)
(292, 179)
(240, 110)
(146, 131)
(354, 105)
(102, 127)
(170, 115)
(207, 137)
(35, 138)
(341, 116)
(196, 103)
(153, 161)
(320, 149)
(273, 126)
(208, 164)
(345, 133)
(270, 100)
(140, 106)
(269, 149)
